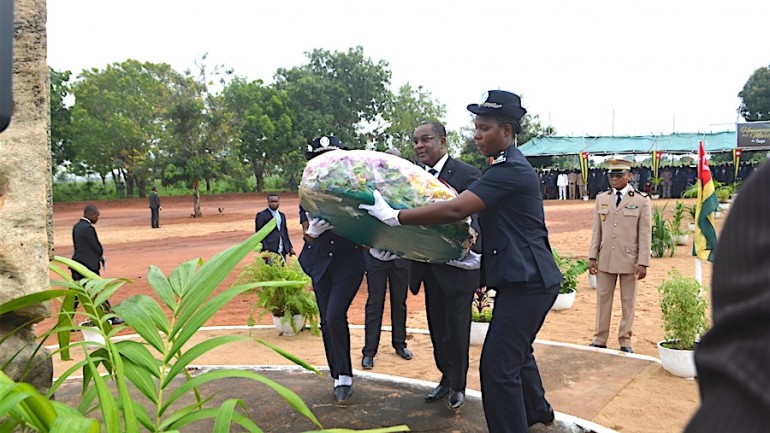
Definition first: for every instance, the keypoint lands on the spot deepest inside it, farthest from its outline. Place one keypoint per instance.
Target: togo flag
(705, 234)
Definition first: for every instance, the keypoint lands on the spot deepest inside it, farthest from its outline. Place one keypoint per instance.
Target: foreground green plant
(481, 308)
(150, 365)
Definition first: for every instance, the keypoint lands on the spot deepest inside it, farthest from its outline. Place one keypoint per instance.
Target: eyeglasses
(423, 139)
(616, 174)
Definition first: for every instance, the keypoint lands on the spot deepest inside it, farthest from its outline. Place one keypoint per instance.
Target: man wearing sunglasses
(620, 249)
(448, 288)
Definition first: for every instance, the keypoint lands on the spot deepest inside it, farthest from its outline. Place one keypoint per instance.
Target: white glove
(381, 210)
(317, 226)
(382, 255)
(469, 262)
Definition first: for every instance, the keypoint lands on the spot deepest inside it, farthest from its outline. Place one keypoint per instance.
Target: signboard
(753, 134)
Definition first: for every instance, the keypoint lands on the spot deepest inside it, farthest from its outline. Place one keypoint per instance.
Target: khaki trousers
(605, 292)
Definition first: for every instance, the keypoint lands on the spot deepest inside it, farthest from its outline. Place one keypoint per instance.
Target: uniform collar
(623, 191)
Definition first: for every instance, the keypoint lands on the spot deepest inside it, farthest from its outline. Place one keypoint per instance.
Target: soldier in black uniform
(516, 260)
(336, 266)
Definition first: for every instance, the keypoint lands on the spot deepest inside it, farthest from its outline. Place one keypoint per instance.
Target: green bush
(295, 296)
(662, 239)
(684, 310)
(571, 269)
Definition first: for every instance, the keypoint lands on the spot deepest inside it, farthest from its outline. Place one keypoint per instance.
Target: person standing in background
(562, 181)
(572, 179)
(89, 252)
(620, 249)
(155, 208)
(277, 241)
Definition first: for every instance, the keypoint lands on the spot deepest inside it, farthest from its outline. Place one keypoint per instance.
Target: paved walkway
(569, 373)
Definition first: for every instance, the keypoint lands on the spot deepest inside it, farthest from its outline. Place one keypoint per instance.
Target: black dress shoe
(367, 363)
(626, 349)
(456, 399)
(438, 393)
(404, 353)
(547, 420)
(600, 346)
(343, 392)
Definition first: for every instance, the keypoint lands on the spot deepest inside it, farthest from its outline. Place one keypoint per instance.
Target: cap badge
(324, 141)
(309, 148)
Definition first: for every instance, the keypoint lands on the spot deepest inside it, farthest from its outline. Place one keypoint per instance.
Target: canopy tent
(673, 143)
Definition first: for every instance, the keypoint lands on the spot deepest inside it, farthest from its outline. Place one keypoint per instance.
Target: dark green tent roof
(674, 143)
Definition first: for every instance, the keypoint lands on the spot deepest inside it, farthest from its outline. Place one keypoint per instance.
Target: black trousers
(512, 391)
(154, 217)
(377, 280)
(334, 293)
(449, 322)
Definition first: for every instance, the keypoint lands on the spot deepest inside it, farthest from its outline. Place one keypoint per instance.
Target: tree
(755, 96)
(62, 149)
(119, 118)
(264, 123)
(404, 112)
(199, 146)
(336, 93)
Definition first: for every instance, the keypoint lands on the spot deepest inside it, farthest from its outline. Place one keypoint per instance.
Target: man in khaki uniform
(581, 185)
(620, 247)
(572, 179)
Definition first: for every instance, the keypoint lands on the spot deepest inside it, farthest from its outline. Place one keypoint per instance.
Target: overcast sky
(585, 67)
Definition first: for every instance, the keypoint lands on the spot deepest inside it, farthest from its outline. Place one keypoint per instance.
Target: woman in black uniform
(516, 260)
(336, 266)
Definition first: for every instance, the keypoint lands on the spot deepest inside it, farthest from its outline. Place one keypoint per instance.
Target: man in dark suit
(277, 241)
(89, 251)
(155, 208)
(448, 289)
(382, 270)
(733, 357)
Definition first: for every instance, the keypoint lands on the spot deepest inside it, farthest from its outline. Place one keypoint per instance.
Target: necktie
(432, 171)
(620, 197)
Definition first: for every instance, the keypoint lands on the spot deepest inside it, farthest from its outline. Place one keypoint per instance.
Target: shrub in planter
(571, 269)
(684, 310)
(662, 239)
(289, 292)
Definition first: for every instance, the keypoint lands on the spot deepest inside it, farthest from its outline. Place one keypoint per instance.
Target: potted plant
(684, 320)
(481, 315)
(655, 182)
(661, 235)
(691, 211)
(680, 236)
(291, 303)
(571, 269)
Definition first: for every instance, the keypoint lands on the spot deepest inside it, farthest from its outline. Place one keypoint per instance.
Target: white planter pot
(585, 198)
(478, 333)
(717, 214)
(285, 326)
(677, 362)
(681, 239)
(592, 281)
(691, 226)
(655, 196)
(724, 206)
(564, 301)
